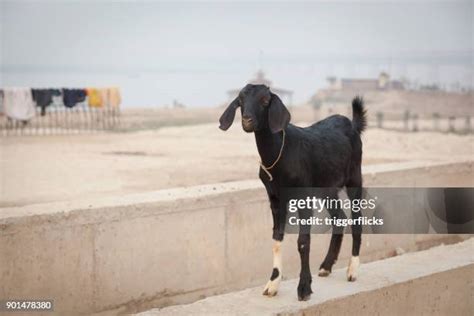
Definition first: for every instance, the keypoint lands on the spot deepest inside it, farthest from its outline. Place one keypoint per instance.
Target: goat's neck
(268, 145)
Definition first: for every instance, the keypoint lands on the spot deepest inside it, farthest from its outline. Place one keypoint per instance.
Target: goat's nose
(247, 123)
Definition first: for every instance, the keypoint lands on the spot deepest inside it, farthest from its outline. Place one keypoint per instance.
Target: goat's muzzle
(247, 124)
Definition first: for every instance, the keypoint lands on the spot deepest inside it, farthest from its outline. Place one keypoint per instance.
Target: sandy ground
(64, 167)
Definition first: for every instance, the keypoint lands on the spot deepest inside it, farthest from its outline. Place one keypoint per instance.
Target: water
(201, 87)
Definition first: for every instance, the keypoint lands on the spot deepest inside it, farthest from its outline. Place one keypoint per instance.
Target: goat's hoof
(269, 293)
(323, 272)
(271, 289)
(352, 269)
(304, 291)
(304, 298)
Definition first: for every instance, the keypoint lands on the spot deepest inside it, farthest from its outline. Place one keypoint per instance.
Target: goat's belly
(292, 179)
(310, 180)
(328, 180)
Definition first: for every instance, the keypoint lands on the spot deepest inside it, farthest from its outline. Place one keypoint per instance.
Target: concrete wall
(437, 281)
(450, 293)
(138, 251)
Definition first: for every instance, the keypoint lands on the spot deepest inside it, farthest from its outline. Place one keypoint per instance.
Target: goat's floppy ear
(278, 115)
(227, 118)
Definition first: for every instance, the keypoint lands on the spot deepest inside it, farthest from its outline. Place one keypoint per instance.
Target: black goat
(326, 154)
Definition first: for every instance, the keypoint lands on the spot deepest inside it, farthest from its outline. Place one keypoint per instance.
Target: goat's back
(325, 152)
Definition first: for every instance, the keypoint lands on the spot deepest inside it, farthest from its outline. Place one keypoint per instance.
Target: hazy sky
(220, 42)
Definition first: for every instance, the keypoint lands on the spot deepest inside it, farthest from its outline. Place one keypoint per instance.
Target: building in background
(341, 91)
(383, 82)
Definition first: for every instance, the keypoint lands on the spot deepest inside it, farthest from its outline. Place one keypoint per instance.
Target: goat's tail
(359, 115)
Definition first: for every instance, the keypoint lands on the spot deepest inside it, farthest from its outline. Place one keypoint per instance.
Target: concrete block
(435, 282)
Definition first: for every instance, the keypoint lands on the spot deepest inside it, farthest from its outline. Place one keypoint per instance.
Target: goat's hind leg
(352, 270)
(336, 240)
(331, 257)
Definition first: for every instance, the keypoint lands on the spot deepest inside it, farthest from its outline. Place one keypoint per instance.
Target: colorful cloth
(44, 98)
(114, 97)
(1, 101)
(95, 98)
(71, 97)
(104, 95)
(18, 103)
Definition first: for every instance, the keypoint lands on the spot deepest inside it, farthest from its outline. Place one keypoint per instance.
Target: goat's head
(260, 109)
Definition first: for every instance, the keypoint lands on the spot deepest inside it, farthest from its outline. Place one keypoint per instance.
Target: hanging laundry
(1, 101)
(58, 99)
(104, 95)
(18, 103)
(71, 97)
(114, 97)
(94, 97)
(44, 98)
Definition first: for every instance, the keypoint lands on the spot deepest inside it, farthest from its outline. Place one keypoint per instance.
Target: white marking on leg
(353, 268)
(323, 272)
(272, 286)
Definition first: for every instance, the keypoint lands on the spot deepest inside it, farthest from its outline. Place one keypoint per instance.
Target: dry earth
(65, 167)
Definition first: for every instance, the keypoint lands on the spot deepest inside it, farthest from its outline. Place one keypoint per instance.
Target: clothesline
(47, 111)
(20, 103)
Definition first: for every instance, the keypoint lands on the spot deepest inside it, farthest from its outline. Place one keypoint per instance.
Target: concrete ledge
(437, 282)
(134, 252)
(405, 174)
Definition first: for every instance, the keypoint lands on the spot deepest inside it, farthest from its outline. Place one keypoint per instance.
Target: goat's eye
(265, 101)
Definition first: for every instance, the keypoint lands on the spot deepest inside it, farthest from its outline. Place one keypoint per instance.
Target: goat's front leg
(304, 286)
(271, 289)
